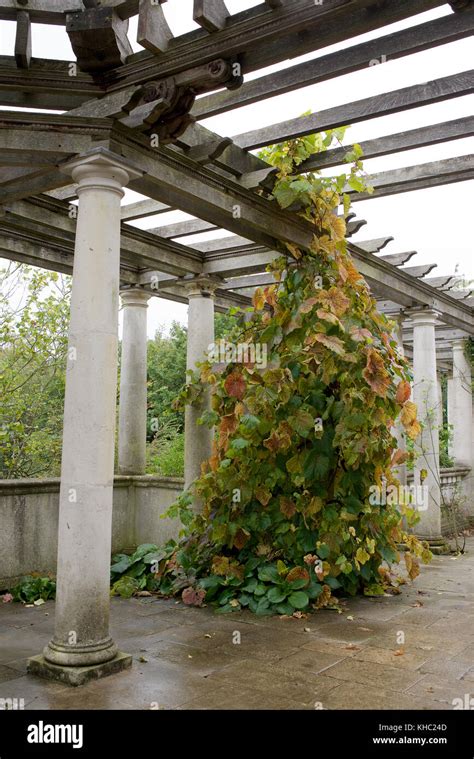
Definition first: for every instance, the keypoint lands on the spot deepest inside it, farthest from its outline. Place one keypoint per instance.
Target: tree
(34, 315)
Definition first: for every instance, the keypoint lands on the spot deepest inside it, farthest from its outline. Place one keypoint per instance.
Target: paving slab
(191, 658)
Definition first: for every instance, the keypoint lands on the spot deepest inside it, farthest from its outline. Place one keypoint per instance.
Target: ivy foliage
(286, 522)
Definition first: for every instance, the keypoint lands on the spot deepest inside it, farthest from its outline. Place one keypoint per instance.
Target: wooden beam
(414, 96)
(420, 177)
(183, 229)
(405, 42)
(23, 40)
(432, 134)
(210, 14)
(419, 271)
(260, 38)
(143, 208)
(398, 259)
(58, 85)
(153, 32)
(444, 283)
(99, 38)
(374, 246)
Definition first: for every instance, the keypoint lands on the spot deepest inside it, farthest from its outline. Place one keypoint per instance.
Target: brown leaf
(403, 392)
(287, 506)
(240, 538)
(375, 373)
(193, 597)
(235, 385)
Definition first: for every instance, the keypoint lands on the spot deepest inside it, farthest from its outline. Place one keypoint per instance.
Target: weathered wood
(210, 14)
(419, 271)
(23, 40)
(182, 228)
(54, 11)
(408, 41)
(432, 134)
(258, 178)
(444, 283)
(153, 32)
(46, 84)
(265, 39)
(414, 96)
(143, 208)
(209, 151)
(398, 259)
(99, 38)
(374, 246)
(420, 177)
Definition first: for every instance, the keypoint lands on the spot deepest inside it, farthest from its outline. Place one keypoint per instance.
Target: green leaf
(276, 596)
(299, 599)
(268, 573)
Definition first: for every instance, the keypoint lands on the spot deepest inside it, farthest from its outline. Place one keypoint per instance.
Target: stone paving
(188, 658)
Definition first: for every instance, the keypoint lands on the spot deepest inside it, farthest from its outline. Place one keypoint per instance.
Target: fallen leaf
(207, 635)
(351, 618)
(399, 652)
(142, 659)
(143, 593)
(352, 647)
(38, 602)
(306, 629)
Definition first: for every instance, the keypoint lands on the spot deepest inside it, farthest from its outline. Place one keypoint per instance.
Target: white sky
(435, 222)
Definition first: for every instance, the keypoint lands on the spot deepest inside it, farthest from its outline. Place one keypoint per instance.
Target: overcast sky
(435, 222)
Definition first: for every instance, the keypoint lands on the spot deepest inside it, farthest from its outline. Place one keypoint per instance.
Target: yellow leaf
(362, 556)
(408, 414)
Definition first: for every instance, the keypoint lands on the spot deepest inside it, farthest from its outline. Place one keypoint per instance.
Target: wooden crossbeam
(153, 33)
(374, 246)
(143, 208)
(419, 271)
(262, 39)
(183, 228)
(210, 14)
(420, 177)
(444, 283)
(414, 96)
(398, 259)
(23, 40)
(405, 42)
(432, 134)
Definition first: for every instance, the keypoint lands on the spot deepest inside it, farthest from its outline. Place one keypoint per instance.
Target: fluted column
(133, 390)
(198, 438)
(81, 647)
(425, 390)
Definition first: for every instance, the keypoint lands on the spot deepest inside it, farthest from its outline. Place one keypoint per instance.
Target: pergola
(133, 119)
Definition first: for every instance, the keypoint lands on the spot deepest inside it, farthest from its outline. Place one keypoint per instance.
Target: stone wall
(29, 520)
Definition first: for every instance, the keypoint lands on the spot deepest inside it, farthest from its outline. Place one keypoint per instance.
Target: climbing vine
(288, 520)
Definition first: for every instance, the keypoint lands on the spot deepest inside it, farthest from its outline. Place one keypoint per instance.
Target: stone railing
(29, 520)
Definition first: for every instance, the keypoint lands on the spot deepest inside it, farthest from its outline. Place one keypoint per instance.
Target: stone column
(81, 647)
(461, 406)
(426, 472)
(398, 430)
(133, 391)
(198, 438)
(440, 404)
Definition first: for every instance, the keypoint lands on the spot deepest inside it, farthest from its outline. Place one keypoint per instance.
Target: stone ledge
(37, 665)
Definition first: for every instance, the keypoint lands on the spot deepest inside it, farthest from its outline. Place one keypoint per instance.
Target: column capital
(101, 168)
(135, 296)
(423, 317)
(201, 286)
(459, 344)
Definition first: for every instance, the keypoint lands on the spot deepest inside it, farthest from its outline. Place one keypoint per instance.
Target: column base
(438, 546)
(37, 665)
